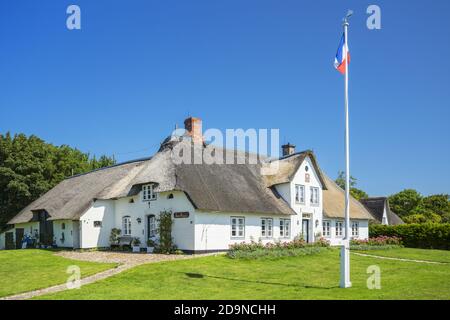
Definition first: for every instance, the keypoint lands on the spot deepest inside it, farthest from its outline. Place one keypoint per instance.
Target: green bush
(362, 247)
(256, 250)
(425, 235)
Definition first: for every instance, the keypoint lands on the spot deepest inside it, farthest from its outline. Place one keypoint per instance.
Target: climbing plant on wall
(165, 223)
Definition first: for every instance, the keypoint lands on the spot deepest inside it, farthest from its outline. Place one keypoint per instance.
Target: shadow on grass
(202, 276)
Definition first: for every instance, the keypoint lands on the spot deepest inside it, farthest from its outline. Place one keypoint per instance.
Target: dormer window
(147, 192)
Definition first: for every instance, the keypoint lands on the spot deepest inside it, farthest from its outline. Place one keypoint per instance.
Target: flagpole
(345, 249)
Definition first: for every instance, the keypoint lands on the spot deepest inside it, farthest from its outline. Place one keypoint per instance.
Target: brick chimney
(193, 127)
(288, 149)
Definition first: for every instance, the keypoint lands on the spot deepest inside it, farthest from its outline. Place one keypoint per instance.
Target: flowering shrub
(296, 247)
(378, 241)
(381, 242)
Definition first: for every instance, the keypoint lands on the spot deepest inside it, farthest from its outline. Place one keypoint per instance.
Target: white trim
(147, 192)
(238, 227)
(267, 225)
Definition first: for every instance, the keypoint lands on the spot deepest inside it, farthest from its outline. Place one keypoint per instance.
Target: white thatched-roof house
(213, 205)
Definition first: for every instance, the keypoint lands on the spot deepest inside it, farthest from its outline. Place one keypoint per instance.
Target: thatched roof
(73, 196)
(334, 203)
(288, 167)
(210, 187)
(376, 207)
(227, 188)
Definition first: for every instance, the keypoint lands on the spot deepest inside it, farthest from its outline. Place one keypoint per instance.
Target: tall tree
(404, 202)
(30, 167)
(354, 192)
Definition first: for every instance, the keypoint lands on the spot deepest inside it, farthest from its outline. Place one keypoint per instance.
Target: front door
(19, 237)
(9, 241)
(305, 229)
(151, 226)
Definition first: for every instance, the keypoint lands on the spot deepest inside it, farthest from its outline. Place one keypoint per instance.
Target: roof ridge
(109, 167)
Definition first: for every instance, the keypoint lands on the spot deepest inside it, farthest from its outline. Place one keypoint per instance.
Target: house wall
(304, 210)
(2, 241)
(111, 213)
(65, 227)
(91, 236)
(363, 230)
(182, 228)
(213, 230)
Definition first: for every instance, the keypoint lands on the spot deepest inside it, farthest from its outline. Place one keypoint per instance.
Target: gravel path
(397, 259)
(124, 259)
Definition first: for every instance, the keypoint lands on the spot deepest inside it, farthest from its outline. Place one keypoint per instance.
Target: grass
(27, 270)
(304, 277)
(413, 254)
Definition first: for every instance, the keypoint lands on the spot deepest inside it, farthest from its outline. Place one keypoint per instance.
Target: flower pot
(150, 249)
(136, 249)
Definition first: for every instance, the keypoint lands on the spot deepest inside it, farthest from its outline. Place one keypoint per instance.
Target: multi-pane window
(126, 226)
(266, 227)
(355, 228)
(314, 195)
(285, 228)
(339, 228)
(326, 227)
(147, 192)
(237, 227)
(299, 193)
(151, 226)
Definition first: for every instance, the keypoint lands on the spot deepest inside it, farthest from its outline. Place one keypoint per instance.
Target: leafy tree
(405, 201)
(439, 204)
(354, 192)
(358, 194)
(340, 180)
(30, 167)
(422, 215)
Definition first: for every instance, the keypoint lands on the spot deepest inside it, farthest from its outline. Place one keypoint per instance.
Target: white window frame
(267, 228)
(237, 227)
(314, 196)
(152, 229)
(326, 228)
(339, 232)
(299, 194)
(147, 193)
(285, 228)
(126, 226)
(355, 228)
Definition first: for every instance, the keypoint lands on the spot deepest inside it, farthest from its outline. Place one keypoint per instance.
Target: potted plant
(151, 245)
(136, 245)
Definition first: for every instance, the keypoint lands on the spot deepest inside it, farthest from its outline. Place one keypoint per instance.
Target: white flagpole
(345, 249)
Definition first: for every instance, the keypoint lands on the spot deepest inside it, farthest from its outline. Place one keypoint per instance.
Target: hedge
(425, 235)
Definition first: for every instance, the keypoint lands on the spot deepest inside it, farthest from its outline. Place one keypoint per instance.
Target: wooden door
(9, 241)
(19, 237)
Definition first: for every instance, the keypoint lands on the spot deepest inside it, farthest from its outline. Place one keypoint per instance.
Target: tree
(358, 194)
(404, 202)
(439, 204)
(422, 215)
(30, 167)
(354, 192)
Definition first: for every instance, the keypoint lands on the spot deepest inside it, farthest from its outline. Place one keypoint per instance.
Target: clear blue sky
(119, 85)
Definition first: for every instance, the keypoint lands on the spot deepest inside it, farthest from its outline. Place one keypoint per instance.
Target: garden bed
(257, 250)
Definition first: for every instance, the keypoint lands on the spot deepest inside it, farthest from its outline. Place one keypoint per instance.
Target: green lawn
(413, 254)
(305, 277)
(26, 270)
